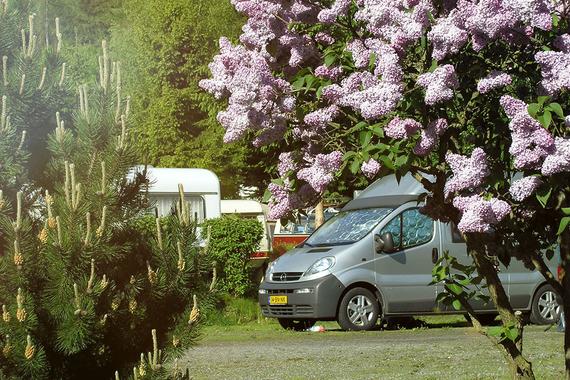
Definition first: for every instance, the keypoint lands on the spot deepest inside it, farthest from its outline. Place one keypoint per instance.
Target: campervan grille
(275, 311)
(286, 276)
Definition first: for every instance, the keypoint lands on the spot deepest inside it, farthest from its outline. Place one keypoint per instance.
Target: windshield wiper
(333, 244)
(307, 244)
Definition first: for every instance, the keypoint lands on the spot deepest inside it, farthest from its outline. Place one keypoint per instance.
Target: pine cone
(132, 306)
(30, 351)
(43, 236)
(21, 314)
(18, 260)
(6, 314)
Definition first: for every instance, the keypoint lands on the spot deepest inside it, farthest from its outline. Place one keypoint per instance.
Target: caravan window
(165, 205)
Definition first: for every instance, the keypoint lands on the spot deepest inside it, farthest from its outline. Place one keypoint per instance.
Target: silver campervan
(339, 273)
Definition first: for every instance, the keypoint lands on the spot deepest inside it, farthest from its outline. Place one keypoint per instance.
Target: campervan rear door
(453, 242)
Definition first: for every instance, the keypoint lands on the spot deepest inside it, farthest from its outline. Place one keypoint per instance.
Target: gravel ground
(265, 351)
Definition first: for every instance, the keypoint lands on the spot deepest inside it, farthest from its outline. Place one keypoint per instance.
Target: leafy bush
(232, 240)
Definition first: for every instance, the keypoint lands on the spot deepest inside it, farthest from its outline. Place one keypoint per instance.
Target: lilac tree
(472, 93)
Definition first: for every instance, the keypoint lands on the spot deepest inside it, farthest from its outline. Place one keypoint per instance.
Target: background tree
(168, 46)
(451, 90)
(31, 95)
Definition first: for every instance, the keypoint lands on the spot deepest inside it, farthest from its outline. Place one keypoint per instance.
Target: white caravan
(201, 189)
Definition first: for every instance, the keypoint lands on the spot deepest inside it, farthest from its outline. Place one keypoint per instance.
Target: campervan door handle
(434, 255)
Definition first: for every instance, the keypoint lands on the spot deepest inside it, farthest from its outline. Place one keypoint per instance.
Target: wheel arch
(366, 285)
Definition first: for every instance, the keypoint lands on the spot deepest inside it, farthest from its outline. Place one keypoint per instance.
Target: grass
(239, 343)
(439, 348)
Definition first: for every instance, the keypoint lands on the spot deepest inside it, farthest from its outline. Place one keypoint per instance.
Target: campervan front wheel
(358, 310)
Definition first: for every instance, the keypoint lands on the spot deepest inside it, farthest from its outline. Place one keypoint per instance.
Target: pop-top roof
(387, 191)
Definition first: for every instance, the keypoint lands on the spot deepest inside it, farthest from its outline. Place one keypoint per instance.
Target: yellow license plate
(278, 300)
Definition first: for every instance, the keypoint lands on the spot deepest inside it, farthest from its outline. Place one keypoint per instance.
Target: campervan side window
(410, 228)
(165, 204)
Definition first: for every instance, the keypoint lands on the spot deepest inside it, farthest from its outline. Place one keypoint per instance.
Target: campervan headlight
(320, 266)
(270, 269)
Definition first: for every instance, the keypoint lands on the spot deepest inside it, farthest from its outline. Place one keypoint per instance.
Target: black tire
(358, 310)
(296, 324)
(546, 306)
(485, 319)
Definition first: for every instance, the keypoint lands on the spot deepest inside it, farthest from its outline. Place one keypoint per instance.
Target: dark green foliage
(232, 240)
(168, 45)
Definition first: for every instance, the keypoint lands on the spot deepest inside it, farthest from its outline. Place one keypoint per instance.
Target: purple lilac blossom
(322, 117)
(468, 172)
(282, 201)
(326, 72)
(488, 20)
(429, 137)
(339, 8)
(559, 160)
(495, 79)
(395, 21)
(324, 38)
(478, 214)
(535, 13)
(286, 163)
(401, 128)
(555, 66)
(265, 25)
(387, 61)
(524, 188)
(531, 143)
(360, 53)
(257, 100)
(365, 93)
(447, 36)
(370, 168)
(322, 170)
(439, 85)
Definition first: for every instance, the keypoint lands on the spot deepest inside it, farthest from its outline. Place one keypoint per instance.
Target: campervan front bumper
(315, 299)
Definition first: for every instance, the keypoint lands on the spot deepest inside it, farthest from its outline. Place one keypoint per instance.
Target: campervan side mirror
(384, 242)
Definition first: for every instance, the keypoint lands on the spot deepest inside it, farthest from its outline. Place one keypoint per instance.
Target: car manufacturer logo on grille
(283, 277)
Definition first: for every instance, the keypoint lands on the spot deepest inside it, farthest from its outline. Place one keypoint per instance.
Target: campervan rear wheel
(296, 324)
(358, 310)
(546, 306)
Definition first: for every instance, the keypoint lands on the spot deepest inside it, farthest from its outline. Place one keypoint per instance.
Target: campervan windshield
(347, 227)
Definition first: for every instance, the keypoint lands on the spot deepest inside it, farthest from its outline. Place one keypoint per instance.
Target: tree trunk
(565, 263)
(480, 248)
(319, 214)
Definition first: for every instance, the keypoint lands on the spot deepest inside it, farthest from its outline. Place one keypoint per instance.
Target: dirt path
(267, 352)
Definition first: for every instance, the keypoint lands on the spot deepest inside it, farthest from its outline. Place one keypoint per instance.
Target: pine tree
(85, 287)
(33, 79)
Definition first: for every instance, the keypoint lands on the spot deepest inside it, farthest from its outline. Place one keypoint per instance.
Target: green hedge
(232, 240)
